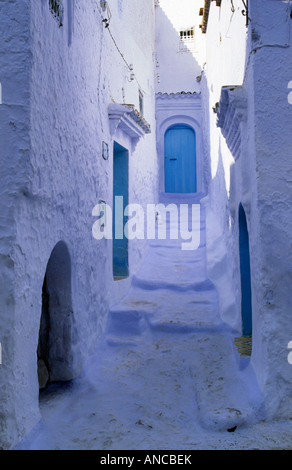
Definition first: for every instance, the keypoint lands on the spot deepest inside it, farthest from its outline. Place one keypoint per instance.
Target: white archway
(175, 109)
(162, 129)
(57, 334)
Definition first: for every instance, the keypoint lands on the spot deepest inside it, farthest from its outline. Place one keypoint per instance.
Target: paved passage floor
(166, 375)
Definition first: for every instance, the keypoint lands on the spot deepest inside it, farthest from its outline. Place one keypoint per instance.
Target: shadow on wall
(206, 147)
(177, 68)
(179, 74)
(220, 265)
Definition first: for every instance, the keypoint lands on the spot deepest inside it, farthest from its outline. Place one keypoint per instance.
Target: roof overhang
(206, 11)
(126, 118)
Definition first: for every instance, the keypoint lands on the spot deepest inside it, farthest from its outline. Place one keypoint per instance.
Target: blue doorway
(246, 298)
(180, 159)
(121, 201)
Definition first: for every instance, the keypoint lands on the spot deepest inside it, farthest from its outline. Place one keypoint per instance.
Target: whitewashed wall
(226, 42)
(259, 179)
(57, 85)
(177, 70)
(15, 145)
(271, 218)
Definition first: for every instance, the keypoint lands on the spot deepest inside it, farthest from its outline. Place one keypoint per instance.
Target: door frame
(180, 108)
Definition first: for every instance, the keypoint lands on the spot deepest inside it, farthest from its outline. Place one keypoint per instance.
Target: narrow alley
(166, 375)
(146, 222)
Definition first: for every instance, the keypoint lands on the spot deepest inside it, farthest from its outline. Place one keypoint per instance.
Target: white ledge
(231, 114)
(128, 119)
(179, 95)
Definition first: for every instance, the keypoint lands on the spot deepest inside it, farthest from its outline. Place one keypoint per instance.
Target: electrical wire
(117, 47)
(122, 56)
(106, 22)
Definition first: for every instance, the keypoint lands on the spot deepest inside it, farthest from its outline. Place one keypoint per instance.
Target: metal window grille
(188, 34)
(187, 40)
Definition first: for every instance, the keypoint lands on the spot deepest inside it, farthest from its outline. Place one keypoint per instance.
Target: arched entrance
(246, 298)
(56, 334)
(180, 159)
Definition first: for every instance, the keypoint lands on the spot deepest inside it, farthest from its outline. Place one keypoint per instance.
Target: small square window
(187, 34)
(187, 40)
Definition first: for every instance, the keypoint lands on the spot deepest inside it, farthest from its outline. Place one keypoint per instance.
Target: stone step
(181, 198)
(164, 310)
(201, 285)
(226, 397)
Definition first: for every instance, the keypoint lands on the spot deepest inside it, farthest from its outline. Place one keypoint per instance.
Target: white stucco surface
(166, 375)
(57, 85)
(177, 67)
(163, 369)
(256, 175)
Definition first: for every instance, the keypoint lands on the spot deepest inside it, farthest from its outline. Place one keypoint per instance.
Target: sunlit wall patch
(290, 93)
(290, 353)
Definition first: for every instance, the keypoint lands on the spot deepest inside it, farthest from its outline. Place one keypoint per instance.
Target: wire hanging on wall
(106, 21)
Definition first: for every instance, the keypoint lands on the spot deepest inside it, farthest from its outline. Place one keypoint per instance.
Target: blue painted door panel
(121, 192)
(180, 160)
(246, 293)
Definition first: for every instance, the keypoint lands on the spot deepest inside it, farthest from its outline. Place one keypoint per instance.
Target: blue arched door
(245, 274)
(180, 159)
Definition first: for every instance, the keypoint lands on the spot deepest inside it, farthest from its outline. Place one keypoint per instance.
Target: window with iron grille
(187, 34)
(187, 39)
(57, 10)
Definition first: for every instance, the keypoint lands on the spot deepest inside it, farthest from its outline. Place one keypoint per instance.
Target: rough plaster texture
(247, 163)
(260, 179)
(167, 372)
(57, 85)
(272, 71)
(225, 40)
(15, 143)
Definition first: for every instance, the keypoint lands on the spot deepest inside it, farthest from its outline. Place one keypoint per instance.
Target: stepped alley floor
(165, 376)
